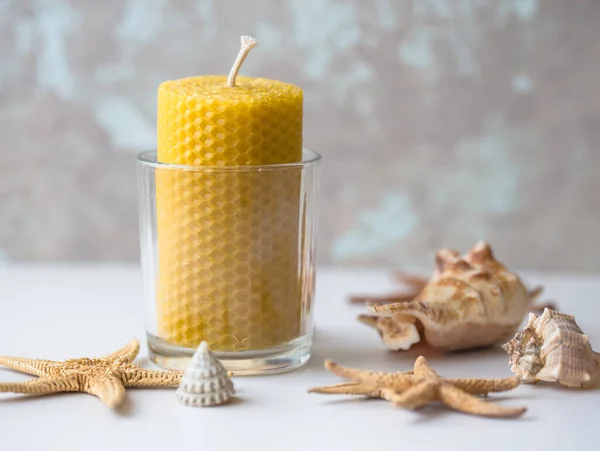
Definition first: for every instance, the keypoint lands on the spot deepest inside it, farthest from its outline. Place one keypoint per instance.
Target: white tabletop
(61, 312)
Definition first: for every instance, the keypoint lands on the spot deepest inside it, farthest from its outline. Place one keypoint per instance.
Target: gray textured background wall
(440, 121)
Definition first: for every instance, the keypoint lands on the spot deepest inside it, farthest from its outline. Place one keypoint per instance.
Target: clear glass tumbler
(228, 257)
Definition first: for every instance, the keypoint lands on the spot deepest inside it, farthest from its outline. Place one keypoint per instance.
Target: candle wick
(248, 43)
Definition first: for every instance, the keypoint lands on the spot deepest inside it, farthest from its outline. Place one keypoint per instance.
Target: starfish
(421, 386)
(105, 377)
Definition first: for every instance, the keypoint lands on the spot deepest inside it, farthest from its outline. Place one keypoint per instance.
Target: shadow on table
(348, 350)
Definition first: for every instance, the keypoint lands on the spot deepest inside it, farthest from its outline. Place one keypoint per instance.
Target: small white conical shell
(205, 382)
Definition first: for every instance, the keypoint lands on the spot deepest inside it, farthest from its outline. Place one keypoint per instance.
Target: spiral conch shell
(552, 348)
(471, 301)
(205, 382)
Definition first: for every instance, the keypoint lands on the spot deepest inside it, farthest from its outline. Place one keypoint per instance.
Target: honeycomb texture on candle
(229, 269)
(203, 122)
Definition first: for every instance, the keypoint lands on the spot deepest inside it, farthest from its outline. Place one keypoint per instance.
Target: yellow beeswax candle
(228, 241)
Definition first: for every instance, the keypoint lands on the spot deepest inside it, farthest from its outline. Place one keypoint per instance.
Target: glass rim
(147, 158)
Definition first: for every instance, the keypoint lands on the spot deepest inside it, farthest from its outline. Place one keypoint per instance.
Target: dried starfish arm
(484, 386)
(108, 388)
(29, 366)
(42, 386)
(140, 377)
(397, 381)
(127, 353)
(412, 280)
(464, 402)
(349, 388)
(422, 369)
(413, 398)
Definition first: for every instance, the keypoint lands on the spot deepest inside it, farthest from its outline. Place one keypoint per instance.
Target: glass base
(283, 358)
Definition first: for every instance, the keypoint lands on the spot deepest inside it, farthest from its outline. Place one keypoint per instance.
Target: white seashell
(471, 301)
(205, 382)
(397, 331)
(552, 348)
